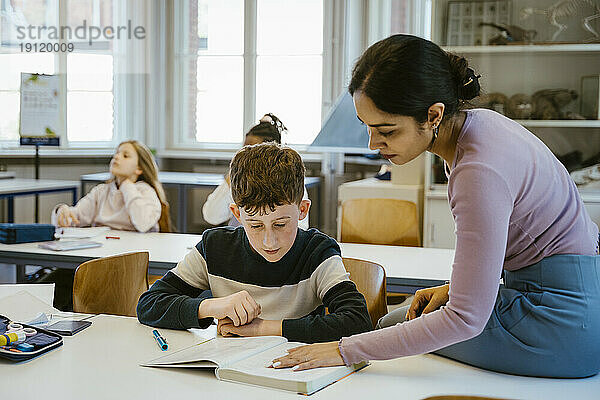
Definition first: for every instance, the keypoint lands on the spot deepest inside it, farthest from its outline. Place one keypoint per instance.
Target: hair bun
(467, 81)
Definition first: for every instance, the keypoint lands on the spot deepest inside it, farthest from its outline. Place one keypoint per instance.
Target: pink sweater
(513, 204)
(131, 207)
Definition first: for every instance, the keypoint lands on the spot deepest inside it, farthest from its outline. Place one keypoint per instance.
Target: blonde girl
(133, 199)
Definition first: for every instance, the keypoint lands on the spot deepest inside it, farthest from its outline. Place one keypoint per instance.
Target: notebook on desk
(81, 233)
(246, 360)
(64, 245)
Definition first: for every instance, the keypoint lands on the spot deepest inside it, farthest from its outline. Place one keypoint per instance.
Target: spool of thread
(12, 337)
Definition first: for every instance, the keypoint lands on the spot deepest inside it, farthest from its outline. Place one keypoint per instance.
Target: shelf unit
(511, 69)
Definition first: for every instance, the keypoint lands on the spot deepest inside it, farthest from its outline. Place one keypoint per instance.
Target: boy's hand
(239, 307)
(258, 327)
(66, 217)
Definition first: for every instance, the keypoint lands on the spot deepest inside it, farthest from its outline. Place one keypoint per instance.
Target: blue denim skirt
(546, 322)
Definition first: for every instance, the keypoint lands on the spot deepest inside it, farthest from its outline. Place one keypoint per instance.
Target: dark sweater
(295, 289)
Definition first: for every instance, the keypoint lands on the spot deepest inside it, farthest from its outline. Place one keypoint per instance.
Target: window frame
(124, 96)
(180, 117)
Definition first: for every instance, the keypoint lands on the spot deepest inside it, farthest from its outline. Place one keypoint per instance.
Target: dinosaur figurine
(566, 8)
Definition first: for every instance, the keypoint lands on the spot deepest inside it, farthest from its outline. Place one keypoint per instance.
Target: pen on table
(113, 237)
(162, 342)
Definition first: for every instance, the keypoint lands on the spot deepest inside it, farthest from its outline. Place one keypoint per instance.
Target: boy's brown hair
(266, 175)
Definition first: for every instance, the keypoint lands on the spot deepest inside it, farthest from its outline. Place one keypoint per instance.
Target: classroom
(271, 198)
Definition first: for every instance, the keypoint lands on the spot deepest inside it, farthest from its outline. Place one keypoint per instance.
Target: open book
(246, 360)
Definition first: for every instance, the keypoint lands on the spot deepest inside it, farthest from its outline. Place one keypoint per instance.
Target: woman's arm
(481, 203)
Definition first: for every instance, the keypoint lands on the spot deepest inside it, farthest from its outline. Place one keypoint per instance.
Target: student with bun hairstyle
(216, 208)
(131, 200)
(518, 216)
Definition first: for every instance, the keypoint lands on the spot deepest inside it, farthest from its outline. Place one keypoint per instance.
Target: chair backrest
(111, 285)
(369, 278)
(380, 221)
(164, 223)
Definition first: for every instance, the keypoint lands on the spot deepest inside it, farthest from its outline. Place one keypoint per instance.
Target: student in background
(268, 277)
(131, 200)
(518, 215)
(216, 208)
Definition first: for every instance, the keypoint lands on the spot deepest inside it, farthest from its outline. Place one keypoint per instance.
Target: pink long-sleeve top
(129, 207)
(513, 204)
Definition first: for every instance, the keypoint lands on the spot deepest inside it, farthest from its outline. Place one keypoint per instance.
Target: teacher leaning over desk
(518, 216)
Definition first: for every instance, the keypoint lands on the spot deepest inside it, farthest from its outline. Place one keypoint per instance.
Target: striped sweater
(295, 289)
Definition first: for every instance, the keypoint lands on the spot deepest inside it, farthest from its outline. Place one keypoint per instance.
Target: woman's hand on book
(311, 356)
(239, 307)
(258, 327)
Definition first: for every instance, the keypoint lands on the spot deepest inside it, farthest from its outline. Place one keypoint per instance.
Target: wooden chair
(164, 223)
(111, 285)
(380, 221)
(369, 278)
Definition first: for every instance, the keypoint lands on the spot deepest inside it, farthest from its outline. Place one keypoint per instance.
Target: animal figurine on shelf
(519, 106)
(549, 103)
(510, 34)
(493, 101)
(567, 8)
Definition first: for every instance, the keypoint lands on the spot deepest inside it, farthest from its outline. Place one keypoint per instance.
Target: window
(88, 91)
(237, 60)
(90, 75)
(13, 61)
(289, 65)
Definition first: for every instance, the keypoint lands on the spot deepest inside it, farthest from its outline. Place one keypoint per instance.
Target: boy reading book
(267, 277)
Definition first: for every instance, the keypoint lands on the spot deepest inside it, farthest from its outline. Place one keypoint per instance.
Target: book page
(220, 351)
(257, 367)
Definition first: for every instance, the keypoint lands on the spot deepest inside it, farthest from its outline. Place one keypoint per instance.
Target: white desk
(184, 181)
(11, 188)
(166, 250)
(407, 268)
(7, 175)
(102, 362)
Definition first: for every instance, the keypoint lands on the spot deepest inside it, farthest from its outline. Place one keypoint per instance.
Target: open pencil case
(37, 344)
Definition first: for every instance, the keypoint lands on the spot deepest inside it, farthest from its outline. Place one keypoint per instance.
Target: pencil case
(37, 344)
(25, 233)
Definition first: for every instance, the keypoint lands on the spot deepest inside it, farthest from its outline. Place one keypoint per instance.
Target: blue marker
(162, 342)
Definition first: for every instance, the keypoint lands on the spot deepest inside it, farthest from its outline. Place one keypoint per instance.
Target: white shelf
(531, 48)
(561, 123)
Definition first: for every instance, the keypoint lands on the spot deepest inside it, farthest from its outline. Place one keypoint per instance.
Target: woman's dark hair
(405, 75)
(270, 128)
